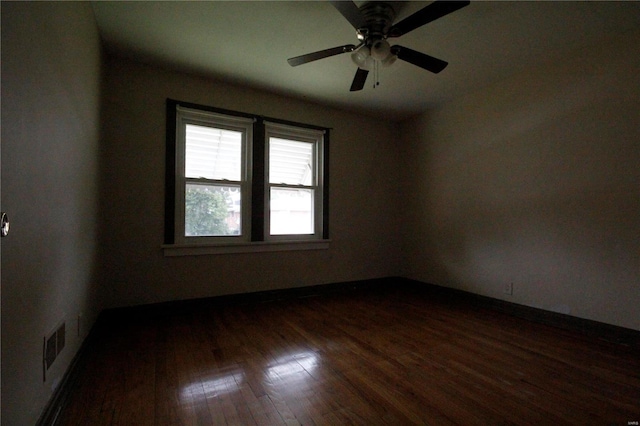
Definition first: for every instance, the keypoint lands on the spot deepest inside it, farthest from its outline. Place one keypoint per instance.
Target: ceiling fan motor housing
(378, 18)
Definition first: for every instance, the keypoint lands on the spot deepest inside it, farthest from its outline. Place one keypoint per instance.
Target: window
(239, 180)
(212, 185)
(294, 168)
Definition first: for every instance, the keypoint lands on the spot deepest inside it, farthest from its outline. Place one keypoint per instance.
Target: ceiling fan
(373, 22)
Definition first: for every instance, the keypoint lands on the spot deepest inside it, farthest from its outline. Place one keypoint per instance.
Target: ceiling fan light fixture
(389, 60)
(380, 50)
(360, 56)
(369, 64)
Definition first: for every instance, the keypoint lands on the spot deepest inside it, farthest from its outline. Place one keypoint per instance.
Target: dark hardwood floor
(368, 357)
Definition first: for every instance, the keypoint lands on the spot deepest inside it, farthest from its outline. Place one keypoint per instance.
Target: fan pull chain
(376, 75)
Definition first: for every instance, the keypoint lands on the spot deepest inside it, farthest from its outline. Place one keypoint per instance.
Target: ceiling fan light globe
(369, 64)
(389, 60)
(360, 56)
(380, 50)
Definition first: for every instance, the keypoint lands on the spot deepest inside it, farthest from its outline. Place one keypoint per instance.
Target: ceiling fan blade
(359, 80)
(421, 60)
(350, 11)
(429, 13)
(309, 57)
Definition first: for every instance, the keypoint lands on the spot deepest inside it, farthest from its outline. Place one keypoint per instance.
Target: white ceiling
(248, 42)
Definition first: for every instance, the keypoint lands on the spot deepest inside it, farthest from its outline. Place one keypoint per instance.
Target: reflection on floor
(361, 357)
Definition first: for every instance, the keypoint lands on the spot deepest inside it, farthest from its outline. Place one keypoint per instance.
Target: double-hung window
(295, 182)
(240, 182)
(212, 186)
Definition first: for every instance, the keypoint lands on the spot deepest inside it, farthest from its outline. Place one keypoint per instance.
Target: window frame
(189, 116)
(255, 205)
(298, 134)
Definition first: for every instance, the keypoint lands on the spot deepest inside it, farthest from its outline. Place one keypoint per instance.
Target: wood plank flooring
(370, 357)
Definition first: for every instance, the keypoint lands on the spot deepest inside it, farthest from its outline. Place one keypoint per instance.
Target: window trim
(315, 137)
(186, 116)
(255, 224)
(171, 250)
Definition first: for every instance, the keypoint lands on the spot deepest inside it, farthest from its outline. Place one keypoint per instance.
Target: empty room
(301, 212)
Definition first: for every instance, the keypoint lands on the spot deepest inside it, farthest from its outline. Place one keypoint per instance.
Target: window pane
(213, 153)
(291, 211)
(212, 210)
(290, 162)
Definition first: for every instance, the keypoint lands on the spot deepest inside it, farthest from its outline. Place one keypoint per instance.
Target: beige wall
(364, 195)
(535, 181)
(532, 181)
(50, 126)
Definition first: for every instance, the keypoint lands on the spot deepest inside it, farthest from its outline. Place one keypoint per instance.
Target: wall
(364, 194)
(50, 128)
(535, 181)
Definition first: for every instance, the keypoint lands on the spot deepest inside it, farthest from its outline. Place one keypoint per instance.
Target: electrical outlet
(508, 288)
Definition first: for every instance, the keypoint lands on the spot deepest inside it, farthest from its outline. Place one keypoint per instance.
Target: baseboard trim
(186, 305)
(111, 317)
(603, 331)
(595, 329)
